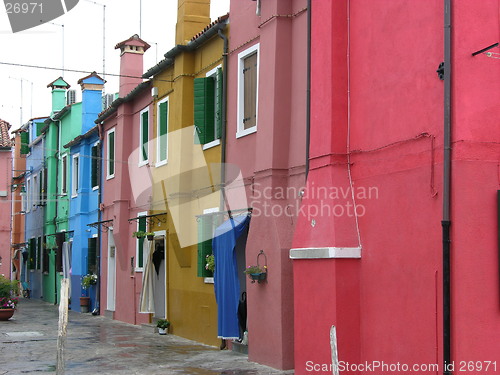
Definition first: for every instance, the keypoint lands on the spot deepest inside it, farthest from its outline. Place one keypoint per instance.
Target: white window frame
(64, 182)
(159, 162)
(215, 142)
(142, 161)
(209, 280)
(240, 131)
(108, 156)
(75, 176)
(28, 194)
(36, 187)
(94, 188)
(145, 248)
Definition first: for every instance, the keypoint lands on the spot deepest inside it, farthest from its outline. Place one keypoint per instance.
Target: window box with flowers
(8, 301)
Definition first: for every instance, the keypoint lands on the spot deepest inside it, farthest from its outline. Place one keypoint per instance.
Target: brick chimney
(192, 17)
(131, 63)
(59, 87)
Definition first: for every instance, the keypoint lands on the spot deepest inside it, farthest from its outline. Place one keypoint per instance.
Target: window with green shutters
(92, 255)
(144, 137)
(110, 157)
(162, 132)
(25, 140)
(208, 107)
(32, 254)
(94, 173)
(205, 232)
(39, 126)
(141, 226)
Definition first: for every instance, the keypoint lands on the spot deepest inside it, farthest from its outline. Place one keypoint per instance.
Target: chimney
(192, 17)
(59, 87)
(131, 64)
(91, 99)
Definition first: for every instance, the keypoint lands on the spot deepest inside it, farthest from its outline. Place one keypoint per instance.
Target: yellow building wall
(191, 306)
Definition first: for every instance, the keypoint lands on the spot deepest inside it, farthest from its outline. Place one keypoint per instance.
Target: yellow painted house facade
(187, 118)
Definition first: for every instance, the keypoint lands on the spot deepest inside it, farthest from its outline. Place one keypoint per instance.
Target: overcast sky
(83, 49)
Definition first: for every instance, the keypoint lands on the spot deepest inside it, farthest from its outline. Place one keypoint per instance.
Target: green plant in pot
(162, 325)
(139, 234)
(8, 300)
(88, 280)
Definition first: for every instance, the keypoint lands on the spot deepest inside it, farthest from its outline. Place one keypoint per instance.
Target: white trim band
(325, 252)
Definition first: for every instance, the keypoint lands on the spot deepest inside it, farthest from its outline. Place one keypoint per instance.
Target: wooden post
(63, 323)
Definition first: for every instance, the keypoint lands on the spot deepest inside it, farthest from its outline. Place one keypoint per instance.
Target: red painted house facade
(265, 140)
(368, 249)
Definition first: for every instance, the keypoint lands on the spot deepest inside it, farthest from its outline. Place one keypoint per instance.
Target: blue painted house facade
(34, 200)
(84, 187)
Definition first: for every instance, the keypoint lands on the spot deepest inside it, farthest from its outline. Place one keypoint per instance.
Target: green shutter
(163, 130)
(145, 135)
(111, 152)
(94, 169)
(204, 108)
(92, 255)
(140, 243)
(39, 127)
(219, 104)
(204, 244)
(39, 253)
(25, 140)
(32, 254)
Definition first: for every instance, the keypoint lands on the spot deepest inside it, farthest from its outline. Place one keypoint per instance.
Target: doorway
(111, 289)
(159, 267)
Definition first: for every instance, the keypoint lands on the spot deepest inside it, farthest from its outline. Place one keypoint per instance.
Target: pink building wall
(271, 160)
(121, 205)
(5, 212)
(387, 305)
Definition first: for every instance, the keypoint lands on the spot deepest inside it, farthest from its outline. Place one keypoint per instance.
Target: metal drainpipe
(99, 228)
(446, 222)
(224, 119)
(308, 87)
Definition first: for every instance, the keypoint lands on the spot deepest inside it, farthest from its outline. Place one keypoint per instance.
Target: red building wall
(377, 120)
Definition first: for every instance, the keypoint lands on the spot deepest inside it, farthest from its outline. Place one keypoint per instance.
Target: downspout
(224, 120)
(99, 227)
(308, 87)
(446, 223)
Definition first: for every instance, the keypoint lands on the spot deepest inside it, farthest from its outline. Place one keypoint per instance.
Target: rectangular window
(141, 226)
(44, 186)
(64, 175)
(75, 175)
(248, 83)
(35, 191)
(28, 195)
(144, 137)
(92, 255)
(95, 166)
(32, 253)
(162, 133)
(110, 155)
(206, 227)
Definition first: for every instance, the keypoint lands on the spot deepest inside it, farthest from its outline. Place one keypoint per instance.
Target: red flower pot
(6, 314)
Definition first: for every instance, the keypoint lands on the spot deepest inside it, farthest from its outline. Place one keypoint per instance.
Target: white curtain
(146, 301)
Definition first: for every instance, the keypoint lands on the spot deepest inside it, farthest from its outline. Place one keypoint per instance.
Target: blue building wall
(34, 217)
(84, 207)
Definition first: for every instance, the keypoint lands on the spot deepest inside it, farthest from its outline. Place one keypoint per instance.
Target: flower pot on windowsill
(151, 237)
(84, 304)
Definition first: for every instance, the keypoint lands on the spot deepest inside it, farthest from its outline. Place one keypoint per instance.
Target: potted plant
(84, 303)
(210, 263)
(150, 236)
(139, 234)
(162, 325)
(88, 280)
(256, 273)
(8, 301)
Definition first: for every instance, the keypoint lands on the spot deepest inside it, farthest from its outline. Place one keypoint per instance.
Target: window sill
(206, 146)
(143, 163)
(208, 280)
(160, 163)
(110, 177)
(95, 188)
(326, 253)
(138, 270)
(246, 132)
(74, 195)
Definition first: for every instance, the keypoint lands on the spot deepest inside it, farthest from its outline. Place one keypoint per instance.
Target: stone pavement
(96, 344)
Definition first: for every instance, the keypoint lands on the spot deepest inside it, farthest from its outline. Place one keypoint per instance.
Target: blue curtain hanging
(226, 284)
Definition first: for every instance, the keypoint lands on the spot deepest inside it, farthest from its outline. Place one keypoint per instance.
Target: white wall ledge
(325, 252)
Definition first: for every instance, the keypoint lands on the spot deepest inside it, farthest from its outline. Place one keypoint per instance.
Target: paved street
(97, 344)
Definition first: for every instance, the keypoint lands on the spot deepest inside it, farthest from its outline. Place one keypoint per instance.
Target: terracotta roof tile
(4, 134)
(218, 20)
